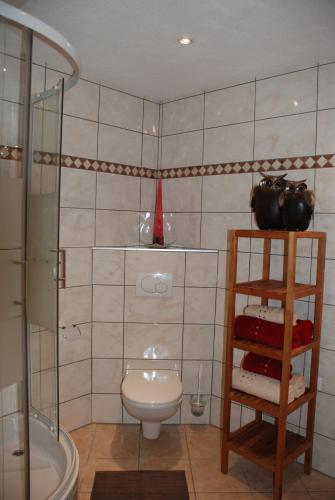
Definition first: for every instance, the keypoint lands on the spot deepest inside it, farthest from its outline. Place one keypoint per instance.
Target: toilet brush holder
(198, 405)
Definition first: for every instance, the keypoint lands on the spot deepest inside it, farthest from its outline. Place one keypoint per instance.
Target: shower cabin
(37, 459)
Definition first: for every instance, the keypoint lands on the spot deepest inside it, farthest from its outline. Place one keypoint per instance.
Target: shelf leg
(278, 484)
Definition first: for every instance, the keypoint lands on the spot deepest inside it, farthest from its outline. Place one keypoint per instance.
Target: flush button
(153, 285)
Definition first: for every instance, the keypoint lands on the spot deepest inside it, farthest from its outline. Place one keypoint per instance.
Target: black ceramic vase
(268, 212)
(298, 209)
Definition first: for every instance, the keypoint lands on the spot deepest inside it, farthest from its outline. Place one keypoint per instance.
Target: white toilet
(151, 396)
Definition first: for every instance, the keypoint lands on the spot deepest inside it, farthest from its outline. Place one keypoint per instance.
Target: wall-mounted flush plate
(153, 285)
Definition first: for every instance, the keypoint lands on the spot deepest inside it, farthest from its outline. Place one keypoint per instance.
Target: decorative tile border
(295, 163)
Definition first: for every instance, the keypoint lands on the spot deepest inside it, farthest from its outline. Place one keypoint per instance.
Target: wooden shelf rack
(269, 445)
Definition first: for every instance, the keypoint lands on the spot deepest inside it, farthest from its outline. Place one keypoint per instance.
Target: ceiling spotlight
(185, 40)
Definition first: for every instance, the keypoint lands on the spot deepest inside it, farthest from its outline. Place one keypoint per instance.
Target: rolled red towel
(272, 334)
(262, 365)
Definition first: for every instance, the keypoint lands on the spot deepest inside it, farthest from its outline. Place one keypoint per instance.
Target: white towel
(268, 313)
(266, 387)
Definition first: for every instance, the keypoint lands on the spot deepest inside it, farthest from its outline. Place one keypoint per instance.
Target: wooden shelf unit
(271, 445)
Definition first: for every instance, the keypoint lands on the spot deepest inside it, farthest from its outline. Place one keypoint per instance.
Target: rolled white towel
(266, 387)
(268, 313)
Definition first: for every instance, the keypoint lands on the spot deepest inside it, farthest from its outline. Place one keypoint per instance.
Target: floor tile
(170, 465)
(201, 429)
(207, 477)
(92, 466)
(83, 439)
(322, 495)
(317, 481)
(225, 496)
(298, 495)
(204, 445)
(169, 446)
(261, 480)
(119, 441)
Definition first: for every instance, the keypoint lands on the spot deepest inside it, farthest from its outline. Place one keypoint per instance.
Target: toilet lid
(152, 386)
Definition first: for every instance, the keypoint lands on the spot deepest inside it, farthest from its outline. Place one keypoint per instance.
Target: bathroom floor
(195, 449)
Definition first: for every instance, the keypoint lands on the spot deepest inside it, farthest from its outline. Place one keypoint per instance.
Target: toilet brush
(197, 402)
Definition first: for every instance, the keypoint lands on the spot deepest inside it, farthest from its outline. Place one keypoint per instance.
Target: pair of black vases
(280, 204)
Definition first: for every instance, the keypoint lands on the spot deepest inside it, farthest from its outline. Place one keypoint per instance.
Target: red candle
(158, 233)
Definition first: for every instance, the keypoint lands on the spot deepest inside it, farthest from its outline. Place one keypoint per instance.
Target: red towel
(272, 334)
(262, 365)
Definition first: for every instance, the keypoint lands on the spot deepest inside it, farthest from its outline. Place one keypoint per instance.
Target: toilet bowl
(151, 396)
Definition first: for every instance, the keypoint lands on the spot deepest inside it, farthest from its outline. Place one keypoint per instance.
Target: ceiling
(132, 44)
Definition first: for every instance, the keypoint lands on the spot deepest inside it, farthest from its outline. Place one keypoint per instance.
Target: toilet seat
(152, 387)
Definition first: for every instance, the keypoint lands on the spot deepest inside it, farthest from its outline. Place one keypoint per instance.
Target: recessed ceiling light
(185, 40)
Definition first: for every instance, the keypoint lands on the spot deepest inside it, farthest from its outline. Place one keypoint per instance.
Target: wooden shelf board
(266, 406)
(258, 443)
(276, 235)
(268, 351)
(274, 289)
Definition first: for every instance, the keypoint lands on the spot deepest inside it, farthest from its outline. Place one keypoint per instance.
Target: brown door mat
(140, 485)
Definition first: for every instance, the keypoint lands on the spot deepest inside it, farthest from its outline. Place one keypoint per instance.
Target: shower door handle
(62, 268)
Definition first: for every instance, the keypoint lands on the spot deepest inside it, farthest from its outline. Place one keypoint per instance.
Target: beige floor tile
(317, 482)
(261, 480)
(201, 429)
(322, 495)
(207, 477)
(204, 445)
(86, 476)
(225, 496)
(119, 441)
(297, 495)
(169, 446)
(83, 439)
(170, 465)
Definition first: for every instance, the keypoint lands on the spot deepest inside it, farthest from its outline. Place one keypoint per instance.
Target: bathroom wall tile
(324, 190)
(77, 349)
(76, 227)
(119, 146)
(218, 189)
(152, 341)
(152, 364)
(326, 372)
(182, 195)
(74, 380)
(11, 133)
(227, 144)
(186, 414)
(217, 383)
(326, 222)
(82, 100)
(243, 262)
(324, 454)
(198, 341)
(230, 105)
(182, 150)
(286, 94)
(120, 109)
(324, 417)
(11, 204)
(155, 262)
(285, 136)
(190, 376)
(78, 270)
(329, 292)
(146, 225)
(154, 310)
(326, 130)
(116, 228)
(326, 94)
(151, 118)
(108, 267)
(76, 413)
(185, 229)
(200, 305)
(219, 343)
(75, 305)
(12, 83)
(106, 375)
(106, 408)
(328, 321)
(79, 137)
(220, 307)
(108, 303)
(216, 412)
(214, 227)
(183, 115)
(77, 188)
(107, 340)
(148, 194)
(118, 192)
(150, 152)
(201, 269)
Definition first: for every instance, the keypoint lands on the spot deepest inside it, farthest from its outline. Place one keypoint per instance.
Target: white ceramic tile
(77, 188)
(199, 305)
(76, 227)
(74, 305)
(201, 269)
(247, 415)
(82, 100)
(11, 133)
(324, 189)
(227, 144)
(227, 193)
(324, 417)
(230, 105)
(154, 310)
(219, 343)
(182, 195)
(326, 131)
(148, 194)
(150, 152)
(118, 192)
(79, 137)
(214, 227)
(217, 384)
(198, 341)
(326, 93)
(120, 109)
(220, 307)
(37, 79)
(48, 349)
(185, 229)
(106, 408)
(324, 454)
(326, 222)
(151, 118)
(106, 375)
(183, 115)
(286, 94)
(13, 80)
(329, 292)
(190, 376)
(186, 414)
(182, 150)
(116, 228)
(76, 413)
(74, 380)
(235, 417)
(152, 341)
(78, 266)
(216, 412)
(107, 340)
(155, 262)
(146, 225)
(77, 348)
(108, 303)
(108, 267)
(119, 146)
(285, 136)
(326, 371)
(328, 321)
